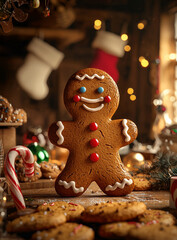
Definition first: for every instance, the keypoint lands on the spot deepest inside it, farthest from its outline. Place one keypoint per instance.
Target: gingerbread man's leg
(115, 182)
(71, 182)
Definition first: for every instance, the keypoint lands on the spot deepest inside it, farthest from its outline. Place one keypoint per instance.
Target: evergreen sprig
(164, 166)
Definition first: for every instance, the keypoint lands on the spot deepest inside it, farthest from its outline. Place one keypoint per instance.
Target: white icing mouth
(93, 109)
(88, 100)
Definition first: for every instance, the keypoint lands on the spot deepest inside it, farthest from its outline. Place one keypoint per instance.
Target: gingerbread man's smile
(106, 99)
(88, 100)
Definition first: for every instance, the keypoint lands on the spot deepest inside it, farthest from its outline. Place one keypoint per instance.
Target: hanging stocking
(33, 74)
(109, 48)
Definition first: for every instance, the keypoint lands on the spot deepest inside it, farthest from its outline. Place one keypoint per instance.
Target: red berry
(94, 142)
(76, 98)
(93, 126)
(107, 99)
(94, 157)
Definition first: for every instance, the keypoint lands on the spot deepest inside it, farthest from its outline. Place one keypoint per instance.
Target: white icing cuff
(119, 185)
(59, 132)
(125, 130)
(71, 184)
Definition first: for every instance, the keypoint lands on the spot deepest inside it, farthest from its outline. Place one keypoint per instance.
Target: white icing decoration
(59, 133)
(93, 109)
(119, 185)
(127, 136)
(89, 77)
(71, 184)
(88, 100)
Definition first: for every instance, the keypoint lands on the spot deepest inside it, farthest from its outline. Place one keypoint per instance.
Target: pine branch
(164, 166)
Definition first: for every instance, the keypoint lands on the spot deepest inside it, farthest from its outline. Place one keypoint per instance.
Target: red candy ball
(76, 98)
(94, 157)
(93, 126)
(107, 99)
(94, 142)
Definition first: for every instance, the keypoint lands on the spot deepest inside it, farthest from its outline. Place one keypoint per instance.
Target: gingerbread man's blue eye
(82, 90)
(100, 90)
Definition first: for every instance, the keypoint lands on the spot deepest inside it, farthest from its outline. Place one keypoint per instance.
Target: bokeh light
(127, 48)
(140, 25)
(124, 37)
(97, 24)
(130, 91)
(133, 97)
(144, 63)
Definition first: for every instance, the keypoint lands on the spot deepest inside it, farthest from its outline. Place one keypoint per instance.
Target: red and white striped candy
(173, 192)
(9, 170)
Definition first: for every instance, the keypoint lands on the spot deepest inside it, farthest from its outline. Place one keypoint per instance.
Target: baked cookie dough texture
(91, 96)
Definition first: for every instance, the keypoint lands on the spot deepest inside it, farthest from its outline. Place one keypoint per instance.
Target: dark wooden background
(75, 42)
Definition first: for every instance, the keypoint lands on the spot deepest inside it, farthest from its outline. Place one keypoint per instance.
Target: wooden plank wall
(79, 55)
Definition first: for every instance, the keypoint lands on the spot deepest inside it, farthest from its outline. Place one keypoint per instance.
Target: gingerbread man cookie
(93, 139)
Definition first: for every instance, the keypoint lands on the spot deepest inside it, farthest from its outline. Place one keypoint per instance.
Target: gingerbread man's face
(91, 91)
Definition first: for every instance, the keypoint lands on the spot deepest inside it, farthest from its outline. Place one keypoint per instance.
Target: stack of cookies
(45, 170)
(9, 115)
(143, 182)
(111, 220)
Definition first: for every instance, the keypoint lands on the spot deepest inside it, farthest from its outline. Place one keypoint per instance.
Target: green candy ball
(40, 152)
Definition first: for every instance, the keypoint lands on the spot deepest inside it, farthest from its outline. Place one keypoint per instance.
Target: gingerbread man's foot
(70, 184)
(116, 187)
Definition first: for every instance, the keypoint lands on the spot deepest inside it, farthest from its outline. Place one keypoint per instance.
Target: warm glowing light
(157, 102)
(97, 27)
(127, 48)
(130, 91)
(141, 58)
(132, 97)
(172, 56)
(139, 157)
(144, 63)
(140, 25)
(124, 37)
(172, 98)
(4, 198)
(133, 161)
(97, 24)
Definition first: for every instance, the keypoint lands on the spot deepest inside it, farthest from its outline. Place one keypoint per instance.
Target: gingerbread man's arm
(125, 131)
(59, 133)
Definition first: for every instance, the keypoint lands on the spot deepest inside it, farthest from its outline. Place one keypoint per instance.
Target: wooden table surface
(46, 193)
(36, 196)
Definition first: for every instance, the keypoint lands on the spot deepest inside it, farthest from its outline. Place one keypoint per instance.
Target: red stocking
(109, 48)
(107, 63)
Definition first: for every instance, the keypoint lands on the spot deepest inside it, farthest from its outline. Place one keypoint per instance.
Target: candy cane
(9, 170)
(173, 192)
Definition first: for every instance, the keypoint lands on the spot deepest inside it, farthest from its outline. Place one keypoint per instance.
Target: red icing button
(93, 126)
(107, 99)
(76, 98)
(94, 142)
(94, 157)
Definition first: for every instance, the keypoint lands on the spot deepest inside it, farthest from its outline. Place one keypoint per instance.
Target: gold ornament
(133, 161)
(35, 3)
